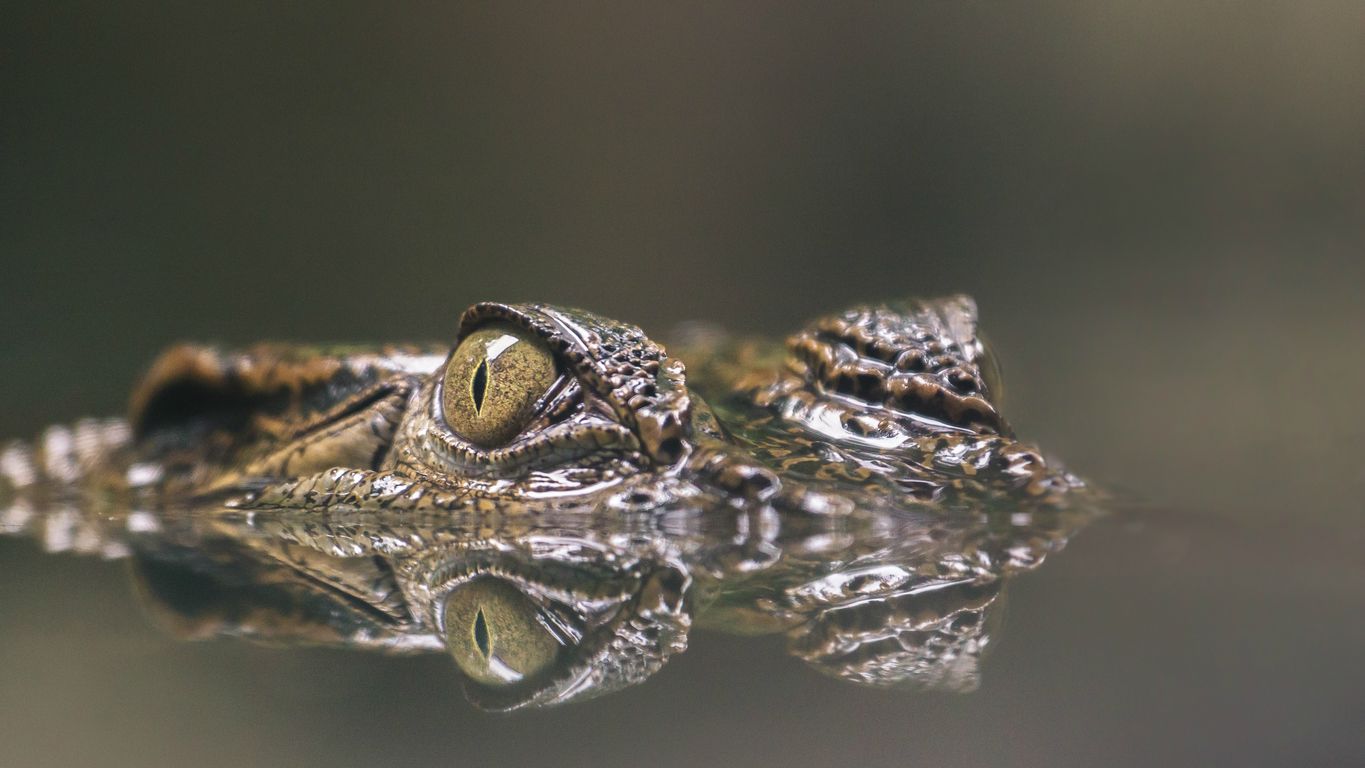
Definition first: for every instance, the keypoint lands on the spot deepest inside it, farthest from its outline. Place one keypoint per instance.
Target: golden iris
(495, 633)
(492, 384)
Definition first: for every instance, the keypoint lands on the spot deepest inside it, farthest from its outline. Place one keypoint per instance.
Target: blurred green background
(1160, 207)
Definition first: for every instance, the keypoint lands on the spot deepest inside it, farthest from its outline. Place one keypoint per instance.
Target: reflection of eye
(496, 633)
(492, 383)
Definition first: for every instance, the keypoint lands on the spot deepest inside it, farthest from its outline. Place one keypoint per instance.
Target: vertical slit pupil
(481, 634)
(478, 386)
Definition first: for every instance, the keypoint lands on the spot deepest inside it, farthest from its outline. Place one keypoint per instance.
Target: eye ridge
(478, 388)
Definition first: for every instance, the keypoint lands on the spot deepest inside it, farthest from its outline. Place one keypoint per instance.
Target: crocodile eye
(496, 633)
(492, 383)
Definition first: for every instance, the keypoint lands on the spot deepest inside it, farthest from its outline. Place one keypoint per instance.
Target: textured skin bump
(914, 357)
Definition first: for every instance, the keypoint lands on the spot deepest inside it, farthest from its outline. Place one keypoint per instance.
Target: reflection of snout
(923, 638)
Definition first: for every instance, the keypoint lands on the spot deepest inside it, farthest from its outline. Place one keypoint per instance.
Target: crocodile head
(540, 411)
(557, 498)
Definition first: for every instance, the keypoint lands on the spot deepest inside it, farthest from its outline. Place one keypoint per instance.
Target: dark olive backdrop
(1160, 207)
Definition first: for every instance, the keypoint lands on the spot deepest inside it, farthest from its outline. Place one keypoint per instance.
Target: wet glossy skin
(556, 500)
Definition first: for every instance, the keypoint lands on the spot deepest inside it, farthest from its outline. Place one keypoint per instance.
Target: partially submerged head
(888, 414)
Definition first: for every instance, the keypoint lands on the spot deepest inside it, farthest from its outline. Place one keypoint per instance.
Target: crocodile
(556, 500)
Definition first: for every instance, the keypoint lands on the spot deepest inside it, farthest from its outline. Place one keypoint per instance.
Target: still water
(1144, 641)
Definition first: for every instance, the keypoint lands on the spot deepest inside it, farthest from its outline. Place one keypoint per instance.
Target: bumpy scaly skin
(858, 490)
(915, 359)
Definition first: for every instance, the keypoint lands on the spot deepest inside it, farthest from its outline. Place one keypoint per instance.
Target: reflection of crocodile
(556, 501)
